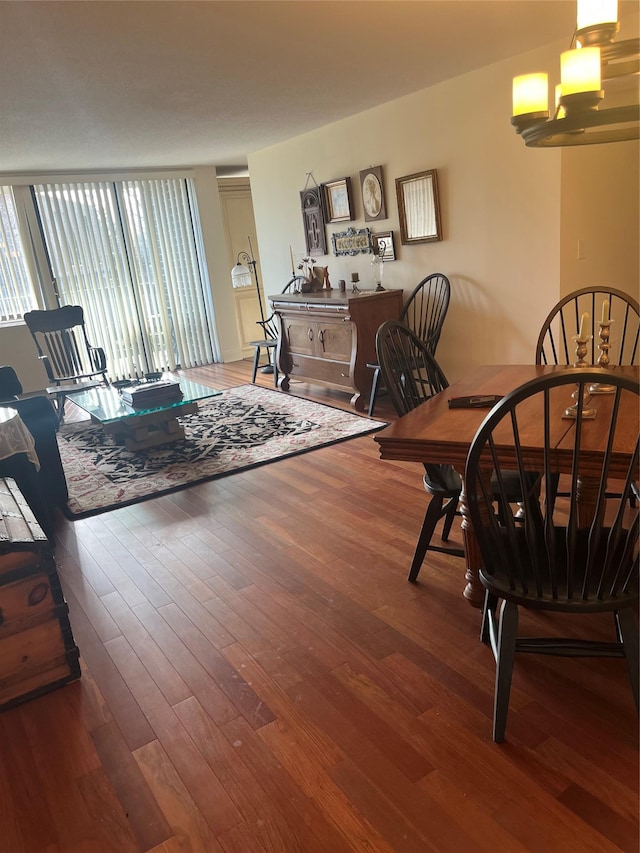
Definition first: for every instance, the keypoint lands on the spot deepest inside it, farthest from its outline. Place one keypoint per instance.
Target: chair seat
(266, 342)
(69, 387)
(442, 480)
(548, 597)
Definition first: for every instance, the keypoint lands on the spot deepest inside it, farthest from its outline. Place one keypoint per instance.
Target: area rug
(243, 427)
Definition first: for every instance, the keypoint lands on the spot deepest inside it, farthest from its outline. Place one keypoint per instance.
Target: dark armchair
(46, 488)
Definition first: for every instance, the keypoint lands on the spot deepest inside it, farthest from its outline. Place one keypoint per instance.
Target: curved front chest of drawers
(327, 338)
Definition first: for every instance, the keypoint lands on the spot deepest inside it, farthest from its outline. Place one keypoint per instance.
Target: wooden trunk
(37, 650)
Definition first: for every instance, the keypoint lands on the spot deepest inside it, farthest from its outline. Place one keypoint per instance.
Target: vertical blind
(126, 251)
(16, 289)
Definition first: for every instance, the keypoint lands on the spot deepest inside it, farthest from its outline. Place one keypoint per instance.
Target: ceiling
(209, 82)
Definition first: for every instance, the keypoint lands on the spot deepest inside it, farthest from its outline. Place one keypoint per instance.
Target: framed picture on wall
(373, 201)
(313, 221)
(383, 245)
(337, 200)
(419, 208)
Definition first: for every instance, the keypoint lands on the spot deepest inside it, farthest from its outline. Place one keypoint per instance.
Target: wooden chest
(37, 650)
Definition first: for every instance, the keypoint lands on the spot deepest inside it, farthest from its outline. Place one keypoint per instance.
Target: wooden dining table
(434, 433)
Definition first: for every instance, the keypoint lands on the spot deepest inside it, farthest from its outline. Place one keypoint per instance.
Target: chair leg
(506, 652)
(451, 508)
(256, 359)
(488, 614)
(374, 391)
(431, 517)
(61, 399)
(628, 633)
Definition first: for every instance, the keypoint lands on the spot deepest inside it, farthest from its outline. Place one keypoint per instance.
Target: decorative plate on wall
(373, 194)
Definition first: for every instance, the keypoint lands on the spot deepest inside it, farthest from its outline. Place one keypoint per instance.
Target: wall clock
(373, 194)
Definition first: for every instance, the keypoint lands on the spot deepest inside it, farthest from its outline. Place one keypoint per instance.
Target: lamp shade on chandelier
(581, 114)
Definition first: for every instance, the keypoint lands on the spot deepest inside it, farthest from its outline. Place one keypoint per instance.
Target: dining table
(435, 433)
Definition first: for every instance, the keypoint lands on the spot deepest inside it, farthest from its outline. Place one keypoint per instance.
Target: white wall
(18, 350)
(501, 206)
(217, 261)
(601, 217)
(600, 205)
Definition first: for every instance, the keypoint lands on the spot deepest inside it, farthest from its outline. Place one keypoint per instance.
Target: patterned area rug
(244, 427)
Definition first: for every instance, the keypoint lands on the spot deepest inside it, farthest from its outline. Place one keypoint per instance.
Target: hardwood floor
(258, 675)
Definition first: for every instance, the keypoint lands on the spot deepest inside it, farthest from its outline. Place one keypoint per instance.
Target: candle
(605, 311)
(293, 266)
(583, 334)
(355, 276)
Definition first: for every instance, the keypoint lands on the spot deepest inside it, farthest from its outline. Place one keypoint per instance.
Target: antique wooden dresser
(328, 337)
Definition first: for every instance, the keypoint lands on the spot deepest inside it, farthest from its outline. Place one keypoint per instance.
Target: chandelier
(594, 58)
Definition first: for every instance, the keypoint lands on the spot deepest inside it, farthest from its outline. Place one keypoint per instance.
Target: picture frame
(313, 221)
(384, 240)
(353, 241)
(338, 203)
(419, 208)
(372, 189)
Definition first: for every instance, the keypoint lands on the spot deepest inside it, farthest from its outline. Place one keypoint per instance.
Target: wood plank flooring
(260, 677)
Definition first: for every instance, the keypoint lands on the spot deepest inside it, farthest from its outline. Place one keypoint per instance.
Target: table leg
(473, 591)
(586, 499)
(150, 429)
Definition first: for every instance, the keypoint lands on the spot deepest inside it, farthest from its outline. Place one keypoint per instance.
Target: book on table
(152, 393)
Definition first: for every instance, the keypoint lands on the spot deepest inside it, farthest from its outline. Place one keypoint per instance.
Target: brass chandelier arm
(597, 126)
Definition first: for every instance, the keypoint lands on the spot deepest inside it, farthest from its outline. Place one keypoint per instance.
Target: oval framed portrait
(372, 188)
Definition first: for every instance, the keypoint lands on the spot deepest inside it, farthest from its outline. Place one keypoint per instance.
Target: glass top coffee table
(142, 427)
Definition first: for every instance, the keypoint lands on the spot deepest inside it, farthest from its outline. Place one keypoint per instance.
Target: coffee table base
(151, 429)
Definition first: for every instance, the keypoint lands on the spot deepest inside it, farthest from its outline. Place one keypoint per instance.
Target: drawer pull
(310, 334)
(321, 337)
(38, 594)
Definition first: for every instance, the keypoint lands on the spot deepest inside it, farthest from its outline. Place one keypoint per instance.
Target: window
(17, 293)
(127, 251)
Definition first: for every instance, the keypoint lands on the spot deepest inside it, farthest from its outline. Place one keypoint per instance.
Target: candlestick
(581, 350)
(582, 333)
(603, 359)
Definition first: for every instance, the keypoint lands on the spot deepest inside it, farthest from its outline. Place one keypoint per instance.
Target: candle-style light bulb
(591, 12)
(530, 94)
(605, 311)
(584, 323)
(580, 70)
